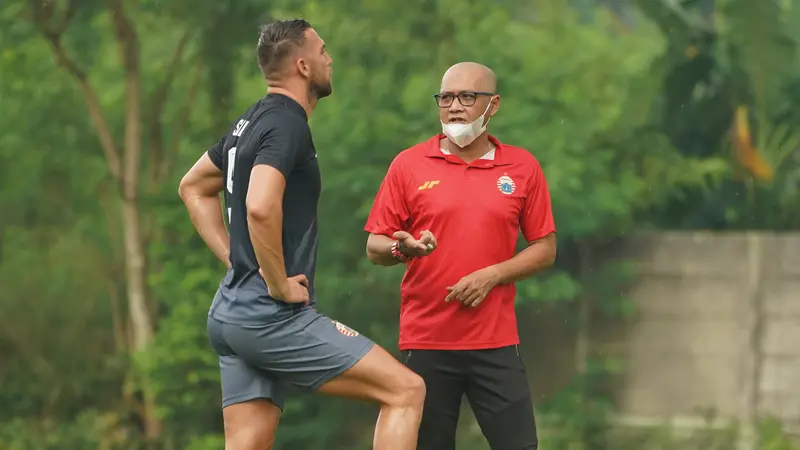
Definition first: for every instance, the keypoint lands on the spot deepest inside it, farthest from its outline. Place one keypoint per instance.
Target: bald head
(469, 76)
(468, 91)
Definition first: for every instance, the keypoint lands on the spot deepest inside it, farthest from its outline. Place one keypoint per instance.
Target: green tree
(106, 285)
(729, 75)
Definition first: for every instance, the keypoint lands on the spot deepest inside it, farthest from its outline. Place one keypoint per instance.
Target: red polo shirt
(475, 211)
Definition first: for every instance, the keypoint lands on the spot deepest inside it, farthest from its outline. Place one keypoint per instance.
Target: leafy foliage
(630, 119)
(729, 56)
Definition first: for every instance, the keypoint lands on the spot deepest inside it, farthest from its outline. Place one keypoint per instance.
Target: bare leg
(250, 425)
(401, 393)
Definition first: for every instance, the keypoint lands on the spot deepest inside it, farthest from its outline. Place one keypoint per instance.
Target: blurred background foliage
(649, 114)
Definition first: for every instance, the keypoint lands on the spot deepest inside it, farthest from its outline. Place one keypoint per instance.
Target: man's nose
(456, 106)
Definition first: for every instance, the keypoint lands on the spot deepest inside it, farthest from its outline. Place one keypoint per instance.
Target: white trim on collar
(488, 156)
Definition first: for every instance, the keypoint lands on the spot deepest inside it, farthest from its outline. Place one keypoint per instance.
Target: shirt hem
(420, 345)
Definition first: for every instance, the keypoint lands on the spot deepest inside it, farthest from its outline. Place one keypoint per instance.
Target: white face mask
(462, 134)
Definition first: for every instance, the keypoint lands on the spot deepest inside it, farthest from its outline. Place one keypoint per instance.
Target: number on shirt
(229, 181)
(231, 164)
(237, 132)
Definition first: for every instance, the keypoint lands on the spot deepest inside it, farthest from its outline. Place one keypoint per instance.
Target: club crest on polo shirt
(506, 185)
(345, 330)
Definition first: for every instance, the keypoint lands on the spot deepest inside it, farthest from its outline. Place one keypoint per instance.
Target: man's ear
(303, 67)
(495, 106)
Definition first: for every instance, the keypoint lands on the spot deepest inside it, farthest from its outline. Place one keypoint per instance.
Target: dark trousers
(496, 387)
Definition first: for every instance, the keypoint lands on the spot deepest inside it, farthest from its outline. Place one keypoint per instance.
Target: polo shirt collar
(493, 158)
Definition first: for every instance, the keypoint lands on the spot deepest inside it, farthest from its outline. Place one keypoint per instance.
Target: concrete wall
(717, 327)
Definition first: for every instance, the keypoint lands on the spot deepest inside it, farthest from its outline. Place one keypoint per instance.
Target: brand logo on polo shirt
(345, 330)
(428, 185)
(506, 185)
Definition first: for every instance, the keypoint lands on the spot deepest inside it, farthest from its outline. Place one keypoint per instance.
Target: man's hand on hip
(473, 288)
(413, 247)
(295, 291)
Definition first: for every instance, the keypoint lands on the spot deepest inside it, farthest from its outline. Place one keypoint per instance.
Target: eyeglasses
(445, 99)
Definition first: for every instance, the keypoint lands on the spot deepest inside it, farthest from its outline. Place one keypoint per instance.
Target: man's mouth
(457, 120)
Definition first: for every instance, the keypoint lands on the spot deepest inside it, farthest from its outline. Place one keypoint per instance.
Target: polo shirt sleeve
(537, 221)
(281, 145)
(215, 153)
(390, 211)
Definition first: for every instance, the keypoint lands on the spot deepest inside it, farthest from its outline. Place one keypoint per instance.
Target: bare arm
(536, 219)
(379, 250)
(539, 255)
(199, 189)
(265, 221)
(379, 246)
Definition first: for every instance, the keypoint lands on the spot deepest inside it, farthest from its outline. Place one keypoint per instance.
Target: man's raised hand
(415, 247)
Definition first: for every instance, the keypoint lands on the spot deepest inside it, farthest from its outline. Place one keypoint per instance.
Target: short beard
(321, 90)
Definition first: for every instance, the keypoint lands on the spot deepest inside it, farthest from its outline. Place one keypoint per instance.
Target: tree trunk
(125, 164)
(142, 329)
(124, 167)
(136, 280)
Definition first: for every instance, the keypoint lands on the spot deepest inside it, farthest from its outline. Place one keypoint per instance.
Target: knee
(409, 390)
(248, 440)
(250, 425)
(248, 437)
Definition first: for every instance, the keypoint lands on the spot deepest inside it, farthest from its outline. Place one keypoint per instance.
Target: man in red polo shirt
(451, 209)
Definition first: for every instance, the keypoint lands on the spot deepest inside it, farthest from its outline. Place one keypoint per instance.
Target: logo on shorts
(345, 330)
(506, 185)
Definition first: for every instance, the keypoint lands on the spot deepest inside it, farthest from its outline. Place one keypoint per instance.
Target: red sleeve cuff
(538, 234)
(377, 229)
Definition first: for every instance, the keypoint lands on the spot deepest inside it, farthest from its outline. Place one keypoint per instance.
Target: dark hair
(277, 41)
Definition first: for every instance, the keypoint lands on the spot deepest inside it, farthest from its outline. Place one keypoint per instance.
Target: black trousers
(496, 387)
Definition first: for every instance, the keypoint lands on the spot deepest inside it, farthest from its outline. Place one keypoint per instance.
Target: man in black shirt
(263, 323)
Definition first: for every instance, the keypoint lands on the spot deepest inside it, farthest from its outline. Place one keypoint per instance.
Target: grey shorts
(305, 349)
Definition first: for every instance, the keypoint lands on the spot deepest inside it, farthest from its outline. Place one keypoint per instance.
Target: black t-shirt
(275, 132)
